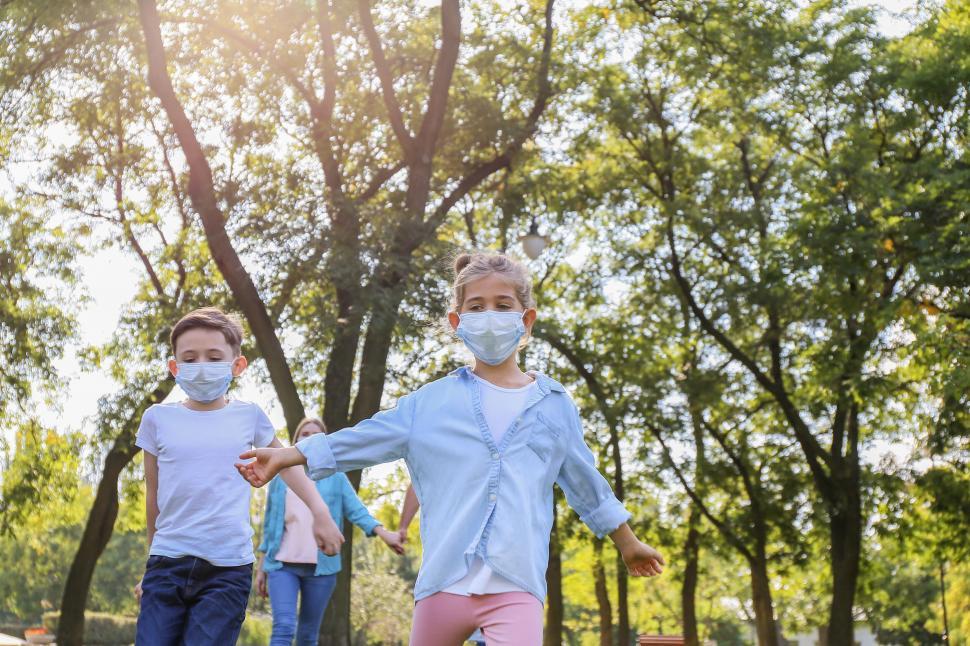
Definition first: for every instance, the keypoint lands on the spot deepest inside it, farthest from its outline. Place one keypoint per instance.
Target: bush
(100, 628)
(256, 631)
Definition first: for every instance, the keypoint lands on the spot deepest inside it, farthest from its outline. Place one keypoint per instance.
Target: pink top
(297, 544)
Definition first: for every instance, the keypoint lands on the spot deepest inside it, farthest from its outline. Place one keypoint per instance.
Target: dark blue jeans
(284, 585)
(188, 601)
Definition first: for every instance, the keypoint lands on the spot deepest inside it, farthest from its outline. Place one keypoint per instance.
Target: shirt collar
(546, 384)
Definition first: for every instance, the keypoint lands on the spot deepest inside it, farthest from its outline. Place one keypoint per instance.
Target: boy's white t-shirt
(500, 406)
(203, 502)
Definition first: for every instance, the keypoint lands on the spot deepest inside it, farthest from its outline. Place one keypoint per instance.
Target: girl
(484, 447)
(292, 564)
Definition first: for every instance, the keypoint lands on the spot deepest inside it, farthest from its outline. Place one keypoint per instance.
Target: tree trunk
(845, 532)
(552, 636)
(764, 615)
(203, 197)
(602, 595)
(688, 591)
(336, 629)
(100, 524)
(625, 635)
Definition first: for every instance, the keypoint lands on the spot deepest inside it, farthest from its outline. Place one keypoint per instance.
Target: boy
(199, 571)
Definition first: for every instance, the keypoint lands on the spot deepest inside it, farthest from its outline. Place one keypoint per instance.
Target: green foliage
(42, 472)
(37, 282)
(101, 629)
(256, 630)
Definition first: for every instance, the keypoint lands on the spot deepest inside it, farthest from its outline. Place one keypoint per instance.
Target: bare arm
(151, 494)
(326, 532)
(408, 510)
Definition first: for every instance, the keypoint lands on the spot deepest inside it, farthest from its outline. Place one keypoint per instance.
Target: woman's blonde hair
(470, 267)
(304, 422)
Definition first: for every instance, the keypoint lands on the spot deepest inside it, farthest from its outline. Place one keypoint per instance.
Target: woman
(292, 564)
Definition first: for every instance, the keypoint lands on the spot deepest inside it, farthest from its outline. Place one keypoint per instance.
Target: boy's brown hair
(211, 318)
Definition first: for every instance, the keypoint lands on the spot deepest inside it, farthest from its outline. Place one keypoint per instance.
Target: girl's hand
(392, 539)
(261, 584)
(267, 464)
(642, 560)
(328, 536)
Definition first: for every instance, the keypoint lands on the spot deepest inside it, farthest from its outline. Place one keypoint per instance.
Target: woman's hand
(261, 589)
(392, 539)
(327, 535)
(267, 464)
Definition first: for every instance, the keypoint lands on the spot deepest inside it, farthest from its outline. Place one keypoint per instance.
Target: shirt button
(494, 455)
(492, 497)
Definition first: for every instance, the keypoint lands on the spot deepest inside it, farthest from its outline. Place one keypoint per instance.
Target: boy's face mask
(204, 381)
(491, 336)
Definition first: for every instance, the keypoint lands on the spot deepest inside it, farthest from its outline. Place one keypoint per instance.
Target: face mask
(204, 381)
(491, 336)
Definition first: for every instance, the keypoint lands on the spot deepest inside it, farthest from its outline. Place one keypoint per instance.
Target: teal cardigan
(342, 500)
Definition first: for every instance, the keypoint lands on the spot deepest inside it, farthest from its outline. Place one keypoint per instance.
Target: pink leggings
(506, 619)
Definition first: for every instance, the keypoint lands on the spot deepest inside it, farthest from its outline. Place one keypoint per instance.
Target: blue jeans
(189, 601)
(284, 585)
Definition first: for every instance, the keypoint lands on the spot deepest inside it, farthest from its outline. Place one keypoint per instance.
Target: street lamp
(533, 243)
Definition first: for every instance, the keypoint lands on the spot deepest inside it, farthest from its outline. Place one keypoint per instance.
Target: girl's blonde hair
(470, 267)
(304, 422)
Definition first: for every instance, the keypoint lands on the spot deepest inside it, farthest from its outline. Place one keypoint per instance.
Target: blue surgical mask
(204, 381)
(491, 336)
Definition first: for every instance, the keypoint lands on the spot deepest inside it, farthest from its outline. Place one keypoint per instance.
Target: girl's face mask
(491, 336)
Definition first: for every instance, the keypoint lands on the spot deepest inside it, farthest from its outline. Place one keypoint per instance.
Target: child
(199, 571)
(484, 447)
(293, 565)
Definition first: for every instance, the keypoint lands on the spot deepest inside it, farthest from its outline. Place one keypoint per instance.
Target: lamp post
(533, 242)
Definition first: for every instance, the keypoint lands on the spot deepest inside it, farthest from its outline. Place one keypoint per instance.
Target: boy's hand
(642, 560)
(261, 588)
(267, 464)
(328, 536)
(392, 539)
(138, 591)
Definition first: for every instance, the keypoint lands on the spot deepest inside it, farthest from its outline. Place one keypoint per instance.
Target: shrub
(256, 631)
(100, 628)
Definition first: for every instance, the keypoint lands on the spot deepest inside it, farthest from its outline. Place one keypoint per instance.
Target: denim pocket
(153, 561)
(543, 439)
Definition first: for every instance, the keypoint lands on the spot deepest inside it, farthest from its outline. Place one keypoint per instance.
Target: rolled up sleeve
(379, 439)
(587, 491)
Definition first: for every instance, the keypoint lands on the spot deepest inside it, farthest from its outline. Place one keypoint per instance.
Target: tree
(416, 225)
(796, 169)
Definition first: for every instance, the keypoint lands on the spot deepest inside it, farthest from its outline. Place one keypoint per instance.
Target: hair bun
(462, 261)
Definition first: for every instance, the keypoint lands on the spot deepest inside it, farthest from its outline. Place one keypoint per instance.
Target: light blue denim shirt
(342, 500)
(479, 498)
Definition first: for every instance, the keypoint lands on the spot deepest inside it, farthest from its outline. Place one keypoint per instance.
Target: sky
(111, 277)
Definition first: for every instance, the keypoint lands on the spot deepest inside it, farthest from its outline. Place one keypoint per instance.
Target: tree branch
(504, 159)
(387, 82)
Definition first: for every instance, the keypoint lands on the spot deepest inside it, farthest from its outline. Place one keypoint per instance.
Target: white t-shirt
(500, 406)
(203, 502)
